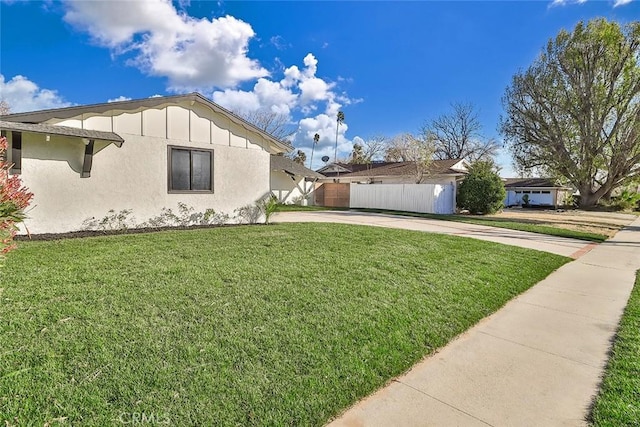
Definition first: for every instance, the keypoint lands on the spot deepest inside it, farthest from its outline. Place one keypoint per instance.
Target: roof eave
(66, 131)
(68, 112)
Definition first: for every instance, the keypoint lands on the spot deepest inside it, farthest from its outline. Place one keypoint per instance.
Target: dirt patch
(606, 223)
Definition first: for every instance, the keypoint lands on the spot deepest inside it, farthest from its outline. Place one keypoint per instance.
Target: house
(438, 172)
(338, 188)
(140, 155)
(291, 182)
(539, 192)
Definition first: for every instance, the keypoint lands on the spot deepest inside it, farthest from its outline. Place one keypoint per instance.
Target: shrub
(185, 217)
(570, 200)
(627, 200)
(111, 221)
(268, 206)
(482, 191)
(14, 199)
(248, 214)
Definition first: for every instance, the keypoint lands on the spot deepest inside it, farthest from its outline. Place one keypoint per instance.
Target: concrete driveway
(557, 245)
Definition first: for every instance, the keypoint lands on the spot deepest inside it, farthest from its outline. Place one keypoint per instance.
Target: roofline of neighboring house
(62, 130)
(364, 174)
(349, 176)
(135, 104)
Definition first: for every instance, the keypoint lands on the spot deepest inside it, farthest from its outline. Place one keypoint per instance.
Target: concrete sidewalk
(557, 245)
(536, 362)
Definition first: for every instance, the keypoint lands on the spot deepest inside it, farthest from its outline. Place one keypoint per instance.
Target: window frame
(170, 149)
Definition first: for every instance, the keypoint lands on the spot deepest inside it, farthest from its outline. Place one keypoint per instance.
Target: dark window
(190, 170)
(546, 192)
(16, 153)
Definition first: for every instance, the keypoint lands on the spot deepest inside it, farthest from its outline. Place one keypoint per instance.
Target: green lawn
(504, 223)
(256, 325)
(618, 403)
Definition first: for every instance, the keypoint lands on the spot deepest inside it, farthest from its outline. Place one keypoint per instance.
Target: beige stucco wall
(134, 176)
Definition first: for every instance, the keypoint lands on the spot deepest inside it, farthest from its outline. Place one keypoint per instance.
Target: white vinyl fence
(423, 198)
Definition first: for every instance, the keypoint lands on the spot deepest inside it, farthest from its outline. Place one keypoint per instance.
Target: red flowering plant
(14, 199)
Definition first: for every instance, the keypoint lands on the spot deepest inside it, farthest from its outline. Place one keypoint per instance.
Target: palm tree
(316, 138)
(340, 119)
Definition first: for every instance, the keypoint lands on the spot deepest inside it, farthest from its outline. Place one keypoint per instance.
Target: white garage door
(539, 197)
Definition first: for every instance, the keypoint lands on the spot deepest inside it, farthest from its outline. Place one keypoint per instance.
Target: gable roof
(532, 182)
(337, 167)
(140, 104)
(282, 163)
(61, 130)
(437, 167)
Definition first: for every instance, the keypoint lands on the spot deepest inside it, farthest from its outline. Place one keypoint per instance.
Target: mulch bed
(97, 233)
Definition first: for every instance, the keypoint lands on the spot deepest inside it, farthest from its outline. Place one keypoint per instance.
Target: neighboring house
(337, 169)
(140, 155)
(438, 172)
(540, 192)
(395, 186)
(291, 182)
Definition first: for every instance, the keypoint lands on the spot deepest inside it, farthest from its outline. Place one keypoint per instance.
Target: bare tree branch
(408, 148)
(370, 150)
(4, 107)
(276, 124)
(457, 135)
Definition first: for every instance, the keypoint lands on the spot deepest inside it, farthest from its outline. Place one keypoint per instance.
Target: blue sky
(389, 66)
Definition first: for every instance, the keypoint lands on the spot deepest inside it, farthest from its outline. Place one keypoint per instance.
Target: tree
(368, 151)
(275, 124)
(407, 148)
(316, 138)
(575, 113)
(482, 191)
(4, 107)
(357, 155)
(14, 199)
(299, 157)
(339, 121)
(457, 135)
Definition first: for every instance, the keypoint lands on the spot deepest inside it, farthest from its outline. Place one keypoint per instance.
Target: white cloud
(192, 53)
(24, 95)
(237, 100)
(325, 126)
(566, 2)
(279, 42)
(120, 98)
(299, 92)
(616, 3)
